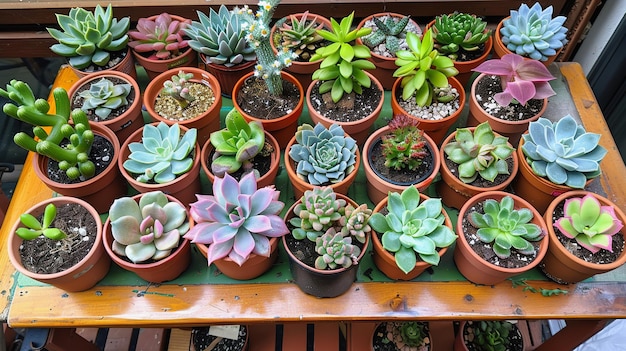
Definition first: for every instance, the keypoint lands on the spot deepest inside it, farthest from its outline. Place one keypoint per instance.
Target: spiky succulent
(492, 335)
(148, 229)
(176, 87)
(323, 156)
(532, 32)
(162, 155)
(563, 151)
(404, 146)
(220, 37)
(237, 220)
(505, 227)
(459, 31)
(89, 37)
(335, 251)
(299, 35)
(479, 153)
(105, 96)
(162, 37)
(388, 30)
(33, 228)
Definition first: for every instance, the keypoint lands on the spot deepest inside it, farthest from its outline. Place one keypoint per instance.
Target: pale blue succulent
(105, 96)
(532, 32)
(563, 151)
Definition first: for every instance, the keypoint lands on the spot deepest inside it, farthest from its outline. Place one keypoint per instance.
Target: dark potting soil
(351, 108)
(262, 162)
(489, 86)
(47, 256)
(464, 55)
(403, 176)
(77, 101)
(480, 181)
(201, 340)
(516, 343)
(385, 332)
(255, 100)
(101, 154)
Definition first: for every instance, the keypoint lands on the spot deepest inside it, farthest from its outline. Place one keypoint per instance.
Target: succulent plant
(388, 30)
(105, 96)
(412, 228)
(505, 227)
(73, 158)
(220, 37)
(422, 69)
(404, 146)
(412, 333)
(590, 223)
(406, 335)
(532, 32)
(33, 228)
(148, 229)
(163, 154)
(237, 220)
(236, 145)
(301, 35)
(356, 222)
(176, 87)
(563, 151)
(521, 79)
(479, 153)
(323, 156)
(335, 250)
(343, 65)
(459, 31)
(492, 335)
(89, 37)
(162, 37)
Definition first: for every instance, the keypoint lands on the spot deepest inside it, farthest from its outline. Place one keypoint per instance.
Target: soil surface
(101, 154)
(255, 100)
(516, 343)
(385, 332)
(77, 101)
(116, 57)
(480, 181)
(351, 108)
(304, 249)
(169, 108)
(488, 87)
(403, 176)
(201, 340)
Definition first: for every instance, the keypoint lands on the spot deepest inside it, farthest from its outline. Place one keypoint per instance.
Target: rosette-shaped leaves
(319, 210)
(105, 96)
(335, 251)
(162, 37)
(459, 31)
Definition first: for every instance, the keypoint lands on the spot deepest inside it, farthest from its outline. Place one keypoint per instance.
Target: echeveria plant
(161, 38)
(105, 96)
(335, 250)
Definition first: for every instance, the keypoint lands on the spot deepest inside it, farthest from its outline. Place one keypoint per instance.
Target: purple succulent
(237, 220)
(163, 36)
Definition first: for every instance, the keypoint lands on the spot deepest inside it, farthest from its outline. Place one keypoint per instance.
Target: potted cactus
(488, 336)
(237, 228)
(144, 235)
(329, 236)
(500, 235)
(159, 43)
(401, 336)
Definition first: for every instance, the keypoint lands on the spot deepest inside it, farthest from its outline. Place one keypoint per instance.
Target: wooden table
(586, 307)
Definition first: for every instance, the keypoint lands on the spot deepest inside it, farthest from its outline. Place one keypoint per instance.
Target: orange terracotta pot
(454, 193)
(128, 122)
(472, 266)
(500, 49)
(436, 129)
(227, 76)
(360, 129)
(85, 274)
(459, 340)
(282, 128)
(127, 65)
(385, 261)
(159, 271)
(562, 266)
(206, 122)
(378, 188)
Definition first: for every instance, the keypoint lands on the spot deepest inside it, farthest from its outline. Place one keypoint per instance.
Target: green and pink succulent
(161, 38)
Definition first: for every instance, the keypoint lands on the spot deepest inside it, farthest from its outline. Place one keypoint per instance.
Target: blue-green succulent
(105, 96)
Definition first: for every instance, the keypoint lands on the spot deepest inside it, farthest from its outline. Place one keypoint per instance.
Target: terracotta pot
(282, 128)
(511, 129)
(459, 340)
(227, 76)
(377, 187)
(454, 193)
(99, 191)
(299, 185)
(360, 129)
(500, 49)
(265, 179)
(322, 282)
(385, 261)
(159, 271)
(562, 266)
(302, 70)
(427, 341)
(206, 122)
(436, 129)
(254, 267)
(184, 188)
(85, 274)
(472, 266)
(131, 120)
(127, 65)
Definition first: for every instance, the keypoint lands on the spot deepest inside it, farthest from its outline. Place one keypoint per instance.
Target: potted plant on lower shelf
(402, 336)
(488, 336)
(219, 338)
(330, 235)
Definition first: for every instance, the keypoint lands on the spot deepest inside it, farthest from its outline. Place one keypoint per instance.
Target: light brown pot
(472, 266)
(205, 123)
(499, 49)
(127, 65)
(85, 274)
(562, 266)
(227, 76)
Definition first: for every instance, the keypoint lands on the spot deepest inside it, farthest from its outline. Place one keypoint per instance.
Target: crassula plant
(590, 223)
(160, 38)
(237, 220)
(105, 96)
(562, 151)
(459, 31)
(34, 228)
(404, 146)
(148, 229)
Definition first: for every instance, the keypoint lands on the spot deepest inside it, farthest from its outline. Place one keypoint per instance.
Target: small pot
(459, 340)
(500, 49)
(227, 76)
(127, 65)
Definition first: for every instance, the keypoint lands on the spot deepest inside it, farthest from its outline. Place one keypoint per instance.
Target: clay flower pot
(127, 65)
(460, 342)
(227, 76)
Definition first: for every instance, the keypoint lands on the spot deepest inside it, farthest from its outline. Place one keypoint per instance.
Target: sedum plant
(506, 228)
(105, 96)
(404, 146)
(412, 228)
(323, 156)
(480, 153)
(335, 250)
(162, 155)
(492, 335)
(563, 152)
(590, 223)
(459, 31)
(33, 228)
(388, 30)
(406, 335)
(148, 229)
(89, 37)
(423, 69)
(161, 38)
(299, 36)
(532, 32)
(237, 220)
(177, 88)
